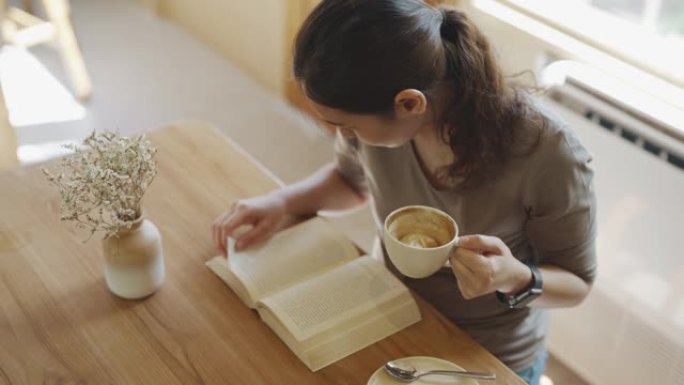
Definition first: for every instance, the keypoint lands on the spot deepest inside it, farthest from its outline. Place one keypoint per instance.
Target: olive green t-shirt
(540, 204)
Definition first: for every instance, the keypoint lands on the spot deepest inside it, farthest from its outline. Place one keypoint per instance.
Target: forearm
(561, 288)
(325, 189)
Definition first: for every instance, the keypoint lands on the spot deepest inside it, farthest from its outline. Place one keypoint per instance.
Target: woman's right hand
(263, 214)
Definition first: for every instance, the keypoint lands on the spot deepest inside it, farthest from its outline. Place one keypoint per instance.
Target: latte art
(421, 228)
(419, 240)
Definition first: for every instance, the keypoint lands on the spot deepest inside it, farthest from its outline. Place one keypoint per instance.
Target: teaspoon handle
(461, 373)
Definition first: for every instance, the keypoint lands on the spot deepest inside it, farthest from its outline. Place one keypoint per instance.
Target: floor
(559, 374)
(146, 73)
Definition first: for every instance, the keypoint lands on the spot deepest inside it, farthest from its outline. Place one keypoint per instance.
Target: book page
(219, 265)
(356, 289)
(351, 337)
(293, 255)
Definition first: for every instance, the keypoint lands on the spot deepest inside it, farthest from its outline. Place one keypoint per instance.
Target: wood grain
(60, 325)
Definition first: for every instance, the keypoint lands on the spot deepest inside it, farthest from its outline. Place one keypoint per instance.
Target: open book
(309, 285)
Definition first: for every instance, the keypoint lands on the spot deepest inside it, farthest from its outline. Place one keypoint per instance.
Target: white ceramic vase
(134, 262)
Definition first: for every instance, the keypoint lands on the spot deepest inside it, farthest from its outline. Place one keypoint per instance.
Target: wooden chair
(22, 28)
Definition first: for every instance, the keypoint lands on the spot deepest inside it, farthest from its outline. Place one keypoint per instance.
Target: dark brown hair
(356, 55)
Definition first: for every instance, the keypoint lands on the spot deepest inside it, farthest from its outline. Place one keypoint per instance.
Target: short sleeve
(348, 164)
(561, 206)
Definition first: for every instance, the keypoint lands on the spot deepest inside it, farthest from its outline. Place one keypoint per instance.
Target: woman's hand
(484, 264)
(263, 214)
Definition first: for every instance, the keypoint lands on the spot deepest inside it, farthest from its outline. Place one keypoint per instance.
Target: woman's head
(387, 68)
(357, 56)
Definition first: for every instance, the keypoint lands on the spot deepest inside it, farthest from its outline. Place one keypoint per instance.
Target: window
(646, 33)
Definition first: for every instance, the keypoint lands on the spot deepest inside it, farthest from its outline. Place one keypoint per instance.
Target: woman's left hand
(484, 264)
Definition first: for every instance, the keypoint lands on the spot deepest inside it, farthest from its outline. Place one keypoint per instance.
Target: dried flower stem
(103, 182)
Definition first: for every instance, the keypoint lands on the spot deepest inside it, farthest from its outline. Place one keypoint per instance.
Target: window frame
(586, 31)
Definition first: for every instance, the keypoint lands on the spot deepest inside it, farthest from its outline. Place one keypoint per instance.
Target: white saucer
(422, 364)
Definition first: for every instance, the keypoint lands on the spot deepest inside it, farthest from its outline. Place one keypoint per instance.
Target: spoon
(407, 373)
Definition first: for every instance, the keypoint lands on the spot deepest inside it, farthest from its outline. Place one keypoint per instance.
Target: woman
(424, 116)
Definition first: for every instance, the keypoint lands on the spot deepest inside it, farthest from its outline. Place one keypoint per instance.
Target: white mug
(419, 239)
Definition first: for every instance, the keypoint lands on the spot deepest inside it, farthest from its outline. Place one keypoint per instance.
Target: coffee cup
(419, 239)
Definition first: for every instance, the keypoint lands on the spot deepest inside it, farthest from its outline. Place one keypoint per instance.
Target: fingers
(458, 267)
(225, 225)
(255, 235)
(466, 278)
(477, 264)
(216, 230)
(239, 216)
(488, 244)
(473, 259)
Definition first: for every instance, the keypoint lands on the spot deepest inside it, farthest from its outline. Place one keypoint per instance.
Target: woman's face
(374, 130)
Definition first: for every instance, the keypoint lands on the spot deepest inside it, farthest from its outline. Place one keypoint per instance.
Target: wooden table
(60, 325)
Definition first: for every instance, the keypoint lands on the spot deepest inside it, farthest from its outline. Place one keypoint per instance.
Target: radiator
(630, 329)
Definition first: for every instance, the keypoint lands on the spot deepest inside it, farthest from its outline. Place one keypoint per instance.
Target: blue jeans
(532, 374)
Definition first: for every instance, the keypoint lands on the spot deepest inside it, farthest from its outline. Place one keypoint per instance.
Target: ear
(409, 102)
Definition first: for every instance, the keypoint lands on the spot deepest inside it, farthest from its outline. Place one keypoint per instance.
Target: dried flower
(103, 182)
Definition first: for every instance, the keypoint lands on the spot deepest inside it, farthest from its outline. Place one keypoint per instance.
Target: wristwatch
(520, 300)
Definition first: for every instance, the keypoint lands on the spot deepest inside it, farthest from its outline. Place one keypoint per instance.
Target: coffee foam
(421, 228)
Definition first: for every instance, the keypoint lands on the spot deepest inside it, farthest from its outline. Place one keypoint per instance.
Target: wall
(255, 35)
(516, 50)
(250, 33)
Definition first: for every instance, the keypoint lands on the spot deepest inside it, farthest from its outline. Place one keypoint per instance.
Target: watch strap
(521, 299)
